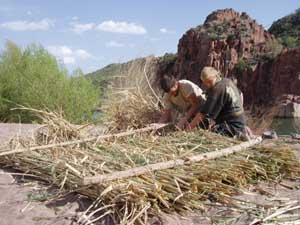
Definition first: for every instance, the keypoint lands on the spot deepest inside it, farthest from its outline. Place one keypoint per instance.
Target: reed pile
(134, 200)
(134, 98)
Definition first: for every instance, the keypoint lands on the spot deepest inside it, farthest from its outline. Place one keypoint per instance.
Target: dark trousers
(228, 129)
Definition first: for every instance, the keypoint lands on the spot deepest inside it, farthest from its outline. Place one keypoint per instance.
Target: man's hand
(188, 127)
(182, 123)
(197, 119)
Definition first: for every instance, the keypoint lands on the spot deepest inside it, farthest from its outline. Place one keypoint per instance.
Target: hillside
(126, 74)
(103, 77)
(288, 29)
(121, 76)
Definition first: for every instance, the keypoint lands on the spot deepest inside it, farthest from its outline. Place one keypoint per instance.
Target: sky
(91, 34)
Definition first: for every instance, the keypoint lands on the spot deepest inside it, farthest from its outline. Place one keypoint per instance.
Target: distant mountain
(288, 29)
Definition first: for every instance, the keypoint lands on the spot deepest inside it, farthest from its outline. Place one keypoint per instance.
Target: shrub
(288, 29)
(267, 57)
(290, 42)
(241, 66)
(33, 78)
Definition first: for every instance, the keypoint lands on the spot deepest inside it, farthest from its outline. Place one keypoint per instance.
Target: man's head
(169, 85)
(209, 76)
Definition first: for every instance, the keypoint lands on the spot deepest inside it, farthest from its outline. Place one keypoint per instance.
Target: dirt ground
(25, 201)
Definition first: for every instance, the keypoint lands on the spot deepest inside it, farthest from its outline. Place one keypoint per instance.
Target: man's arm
(166, 116)
(187, 115)
(197, 119)
(195, 106)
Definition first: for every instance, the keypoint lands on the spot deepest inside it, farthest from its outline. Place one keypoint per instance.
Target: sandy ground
(23, 201)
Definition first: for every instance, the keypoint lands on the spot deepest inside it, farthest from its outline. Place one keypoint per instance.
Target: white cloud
(29, 13)
(75, 18)
(163, 30)
(68, 60)
(65, 50)
(82, 27)
(166, 31)
(114, 44)
(82, 54)
(107, 26)
(23, 25)
(68, 55)
(121, 27)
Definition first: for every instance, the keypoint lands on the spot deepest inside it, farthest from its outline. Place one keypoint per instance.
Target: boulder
(288, 106)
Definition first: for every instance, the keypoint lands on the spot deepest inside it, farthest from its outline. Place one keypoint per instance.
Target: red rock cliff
(225, 38)
(236, 45)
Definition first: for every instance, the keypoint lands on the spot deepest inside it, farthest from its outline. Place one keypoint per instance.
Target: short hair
(167, 83)
(209, 72)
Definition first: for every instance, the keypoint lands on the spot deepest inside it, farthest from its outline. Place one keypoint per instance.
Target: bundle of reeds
(129, 109)
(133, 99)
(56, 128)
(132, 200)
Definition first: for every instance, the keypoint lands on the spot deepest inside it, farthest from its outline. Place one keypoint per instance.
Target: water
(286, 126)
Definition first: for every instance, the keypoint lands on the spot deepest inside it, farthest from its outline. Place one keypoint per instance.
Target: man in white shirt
(182, 96)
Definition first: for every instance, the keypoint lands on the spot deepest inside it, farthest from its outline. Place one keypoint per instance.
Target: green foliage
(215, 31)
(290, 42)
(275, 48)
(231, 37)
(288, 29)
(267, 57)
(168, 58)
(198, 28)
(33, 78)
(85, 97)
(241, 66)
(214, 36)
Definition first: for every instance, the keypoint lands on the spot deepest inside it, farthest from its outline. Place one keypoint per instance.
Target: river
(286, 126)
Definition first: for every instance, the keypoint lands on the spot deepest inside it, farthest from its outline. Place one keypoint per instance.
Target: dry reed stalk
(57, 129)
(178, 189)
(137, 171)
(134, 100)
(262, 120)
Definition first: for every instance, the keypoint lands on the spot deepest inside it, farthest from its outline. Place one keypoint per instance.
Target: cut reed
(179, 189)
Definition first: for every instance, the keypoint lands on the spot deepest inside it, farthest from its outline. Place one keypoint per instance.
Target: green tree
(82, 97)
(33, 78)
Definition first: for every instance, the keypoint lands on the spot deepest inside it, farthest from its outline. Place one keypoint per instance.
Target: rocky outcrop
(236, 45)
(270, 80)
(286, 73)
(225, 39)
(288, 106)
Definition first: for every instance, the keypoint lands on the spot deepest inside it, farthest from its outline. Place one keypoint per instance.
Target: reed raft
(134, 200)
